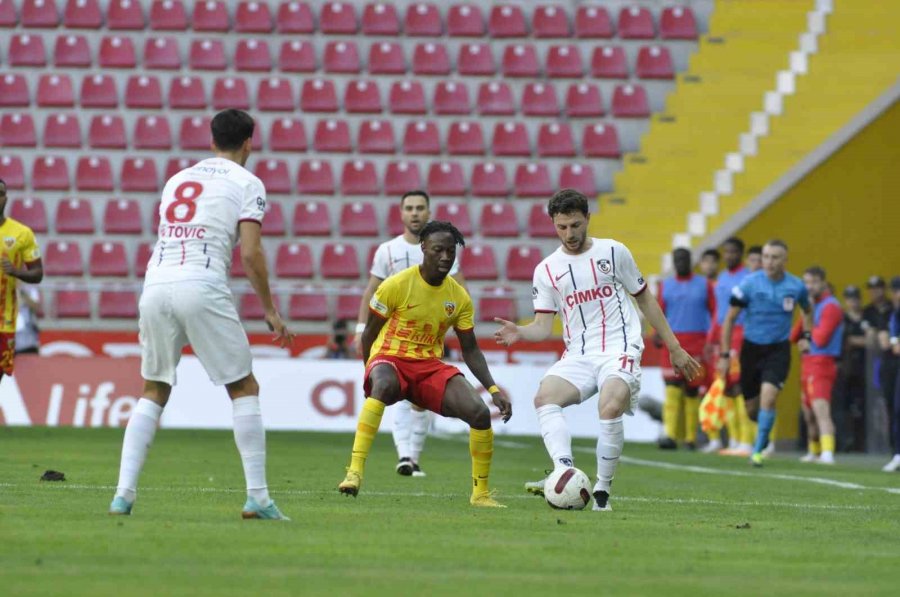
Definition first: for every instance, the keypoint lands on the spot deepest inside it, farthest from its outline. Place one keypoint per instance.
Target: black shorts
(764, 363)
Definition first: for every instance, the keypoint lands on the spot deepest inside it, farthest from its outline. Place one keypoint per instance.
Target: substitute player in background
(589, 282)
(688, 302)
(20, 259)
(818, 365)
(769, 298)
(411, 423)
(204, 211)
(402, 346)
(754, 258)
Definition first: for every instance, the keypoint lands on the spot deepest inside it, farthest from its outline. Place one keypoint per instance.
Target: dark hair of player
(712, 253)
(738, 243)
(230, 128)
(435, 226)
(416, 193)
(755, 250)
(777, 242)
(816, 271)
(566, 201)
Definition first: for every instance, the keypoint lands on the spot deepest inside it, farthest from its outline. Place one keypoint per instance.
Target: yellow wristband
(493, 390)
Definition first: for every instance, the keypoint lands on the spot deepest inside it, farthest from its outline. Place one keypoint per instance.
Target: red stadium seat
(274, 175)
(347, 304)
(117, 304)
(539, 99)
(63, 259)
(125, 15)
(168, 15)
(62, 130)
(139, 175)
(495, 99)
(332, 136)
(287, 134)
(252, 55)
(406, 97)
(176, 165)
(161, 53)
(476, 59)
(451, 97)
(315, 177)
(93, 174)
(273, 223)
(108, 259)
(358, 177)
(499, 219)
(337, 18)
(583, 100)
(457, 213)
(207, 54)
(636, 22)
(14, 91)
(465, 20)
(555, 139)
(465, 138)
(74, 216)
(229, 92)
(478, 262)
(251, 307)
(32, 212)
(297, 57)
(17, 130)
(8, 17)
(400, 177)
(564, 62)
(362, 97)
(521, 261)
(609, 62)
(497, 302)
(386, 58)
(187, 93)
(489, 180)
(358, 219)
(152, 132)
(421, 138)
(394, 225)
(532, 180)
(55, 91)
(252, 17)
(339, 261)
(295, 17)
(143, 92)
(579, 177)
(654, 62)
(423, 19)
(511, 139)
(376, 136)
(593, 22)
(539, 223)
(431, 59)
(380, 19)
(677, 22)
(26, 49)
(122, 216)
(507, 21)
(82, 14)
(318, 95)
(293, 260)
(39, 13)
(72, 304)
(311, 218)
(308, 304)
(49, 173)
(341, 57)
(71, 51)
(520, 60)
(117, 52)
(550, 21)
(630, 101)
(12, 172)
(210, 15)
(446, 179)
(97, 91)
(141, 258)
(275, 94)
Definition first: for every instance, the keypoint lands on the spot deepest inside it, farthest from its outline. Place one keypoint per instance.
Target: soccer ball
(567, 489)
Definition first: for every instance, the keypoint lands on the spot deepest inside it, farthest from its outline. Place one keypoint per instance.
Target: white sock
(421, 422)
(402, 427)
(137, 441)
(555, 432)
(250, 437)
(609, 449)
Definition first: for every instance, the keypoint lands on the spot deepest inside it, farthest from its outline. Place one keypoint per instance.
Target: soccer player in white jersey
(204, 211)
(411, 423)
(589, 282)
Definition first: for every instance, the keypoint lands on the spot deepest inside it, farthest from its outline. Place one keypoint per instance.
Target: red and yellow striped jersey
(419, 315)
(17, 244)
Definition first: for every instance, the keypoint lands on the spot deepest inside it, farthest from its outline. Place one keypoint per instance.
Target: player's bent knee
(248, 386)
(157, 391)
(386, 390)
(480, 417)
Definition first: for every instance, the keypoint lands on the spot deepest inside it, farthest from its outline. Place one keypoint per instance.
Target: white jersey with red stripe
(200, 210)
(397, 254)
(590, 293)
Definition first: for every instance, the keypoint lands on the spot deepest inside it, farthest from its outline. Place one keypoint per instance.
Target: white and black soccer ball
(567, 489)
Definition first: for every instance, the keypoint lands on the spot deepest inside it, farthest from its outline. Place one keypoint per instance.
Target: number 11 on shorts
(627, 363)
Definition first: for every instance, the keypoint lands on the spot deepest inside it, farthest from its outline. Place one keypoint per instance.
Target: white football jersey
(199, 214)
(589, 293)
(396, 255)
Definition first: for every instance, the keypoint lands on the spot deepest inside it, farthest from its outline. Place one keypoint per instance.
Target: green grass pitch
(720, 528)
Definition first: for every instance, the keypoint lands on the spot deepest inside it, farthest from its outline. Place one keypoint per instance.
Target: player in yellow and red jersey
(402, 346)
(20, 259)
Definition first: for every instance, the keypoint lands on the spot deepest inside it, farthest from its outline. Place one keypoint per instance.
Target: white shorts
(201, 314)
(588, 373)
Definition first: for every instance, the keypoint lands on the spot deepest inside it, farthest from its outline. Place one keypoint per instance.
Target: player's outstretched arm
(254, 261)
(474, 358)
(509, 333)
(32, 273)
(681, 360)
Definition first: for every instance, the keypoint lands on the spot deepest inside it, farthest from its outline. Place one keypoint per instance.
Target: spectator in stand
(850, 390)
(889, 341)
(754, 258)
(709, 264)
(877, 312)
(337, 344)
(27, 332)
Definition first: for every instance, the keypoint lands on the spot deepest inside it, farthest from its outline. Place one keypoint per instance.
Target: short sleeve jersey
(769, 305)
(21, 248)
(396, 255)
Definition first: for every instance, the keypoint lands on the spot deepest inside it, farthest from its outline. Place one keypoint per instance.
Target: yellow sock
(827, 443)
(732, 421)
(748, 427)
(481, 447)
(815, 447)
(366, 428)
(671, 409)
(691, 418)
